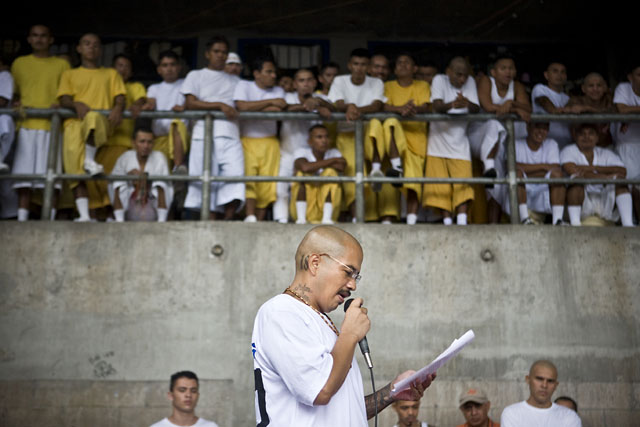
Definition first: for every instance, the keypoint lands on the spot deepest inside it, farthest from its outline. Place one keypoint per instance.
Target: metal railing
(511, 179)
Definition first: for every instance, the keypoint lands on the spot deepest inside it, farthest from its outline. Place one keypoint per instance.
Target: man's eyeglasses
(354, 274)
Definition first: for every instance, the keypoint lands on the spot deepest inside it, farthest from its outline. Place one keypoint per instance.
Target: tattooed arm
(383, 396)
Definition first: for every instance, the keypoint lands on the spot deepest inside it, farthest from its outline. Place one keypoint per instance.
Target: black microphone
(364, 344)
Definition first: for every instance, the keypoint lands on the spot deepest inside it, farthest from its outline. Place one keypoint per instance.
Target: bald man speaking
(305, 370)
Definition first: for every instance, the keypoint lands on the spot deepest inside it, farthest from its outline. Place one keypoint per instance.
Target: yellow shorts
(261, 158)
(165, 143)
(76, 133)
(316, 195)
(447, 196)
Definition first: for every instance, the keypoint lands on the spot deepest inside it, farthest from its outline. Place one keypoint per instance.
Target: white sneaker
(4, 167)
(376, 186)
(92, 167)
(328, 222)
(80, 219)
(301, 221)
(251, 218)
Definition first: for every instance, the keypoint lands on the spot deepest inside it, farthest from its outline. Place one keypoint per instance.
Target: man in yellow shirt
(405, 143)
(83, 89)
(36, 77)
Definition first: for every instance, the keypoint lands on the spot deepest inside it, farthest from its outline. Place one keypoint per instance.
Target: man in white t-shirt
(305, 369)
(448, 150)
(585, 160)
(143, 159)
(259, 137)
(184, 393)
(538, 410)
(626, 136)
(537, 156)
(210, 88)
(356, 94)
(294, 134)
(551, 99)
(170, 134)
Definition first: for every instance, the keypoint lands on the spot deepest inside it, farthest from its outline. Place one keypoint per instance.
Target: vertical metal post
(206, 168)
(511, 172)
(359, 140)
(52, 160)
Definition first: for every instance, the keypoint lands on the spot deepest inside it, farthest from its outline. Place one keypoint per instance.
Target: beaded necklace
(321, 314)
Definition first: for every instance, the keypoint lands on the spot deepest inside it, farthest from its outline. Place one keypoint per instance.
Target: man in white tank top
(551, 98)
(500, 94)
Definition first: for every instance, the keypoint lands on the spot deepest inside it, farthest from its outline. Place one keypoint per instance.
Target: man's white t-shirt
(249, 91)
(372, 89)
(547, 153)
(601, 157)
(6, 85)
(628, 143)
(167, 95)
(292, 360)
(558, 131)
(449, 139)
(200, 423)
(522, 414)
(307, 153)
(294, 134)
(212, 86)
(128, 161)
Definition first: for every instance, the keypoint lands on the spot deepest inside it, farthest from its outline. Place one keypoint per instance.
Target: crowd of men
(96, 144)
(537, 410)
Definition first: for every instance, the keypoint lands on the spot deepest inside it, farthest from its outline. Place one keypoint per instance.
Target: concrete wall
(95, 317)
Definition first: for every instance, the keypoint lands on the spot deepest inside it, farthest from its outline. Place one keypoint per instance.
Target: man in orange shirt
(474, 405)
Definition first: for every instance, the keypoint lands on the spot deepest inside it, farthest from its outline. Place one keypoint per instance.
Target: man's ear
(313, 261)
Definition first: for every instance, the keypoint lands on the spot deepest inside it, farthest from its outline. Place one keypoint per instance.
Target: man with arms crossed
(538, 410)
(183, 394)
(304, 367)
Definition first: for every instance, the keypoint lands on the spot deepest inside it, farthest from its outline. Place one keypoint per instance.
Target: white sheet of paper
(444, 357)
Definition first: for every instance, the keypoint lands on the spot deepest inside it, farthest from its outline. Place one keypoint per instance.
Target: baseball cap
(233, 58)
(473, 395)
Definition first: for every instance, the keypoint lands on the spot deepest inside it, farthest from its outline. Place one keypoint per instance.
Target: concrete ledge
(95, 317)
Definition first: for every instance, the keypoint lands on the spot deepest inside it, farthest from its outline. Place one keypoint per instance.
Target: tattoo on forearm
(302, 290)
(382, 396)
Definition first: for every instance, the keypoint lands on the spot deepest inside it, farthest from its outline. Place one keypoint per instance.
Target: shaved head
(543, 364)
(324, 239)
(459, 61)
(594, 76)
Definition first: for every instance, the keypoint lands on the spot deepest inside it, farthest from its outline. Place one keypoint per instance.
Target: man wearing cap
(538, 410)
(474, 405)
(233, 64)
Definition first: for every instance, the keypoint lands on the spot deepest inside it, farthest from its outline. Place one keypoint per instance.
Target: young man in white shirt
(184, 393)
(210, 88)
(448, 150)
(538, 410)
(551, 99)
(259, 137)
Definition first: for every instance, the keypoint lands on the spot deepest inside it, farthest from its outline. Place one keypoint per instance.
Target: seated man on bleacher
(141, 200)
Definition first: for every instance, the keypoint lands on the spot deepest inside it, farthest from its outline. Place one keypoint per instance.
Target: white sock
(396, 163)
(574, 214)
(119, 215)
(23, 214)
(301, 211)
(281, 209)
(354, 220)
(327, 213)
(625, 207)
(447, 220)
(89, 152)
(461, 219)
(489, 164)
(557, 212)
(82, 204)
(524, 211)
(162, 214)
(53, 214)
(412, 219)
(375, 166)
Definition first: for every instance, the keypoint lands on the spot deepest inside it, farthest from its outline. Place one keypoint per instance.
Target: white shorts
(286, 169)
(32, 150)
(630, 155)
(538, 197)
(600, 200)
(7, 134)
(227, 159)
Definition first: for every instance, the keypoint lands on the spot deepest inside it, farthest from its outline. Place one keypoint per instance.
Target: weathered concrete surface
(95, 317)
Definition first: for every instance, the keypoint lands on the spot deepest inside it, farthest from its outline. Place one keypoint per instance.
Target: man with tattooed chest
(304, 367)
